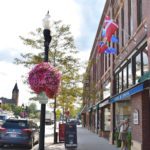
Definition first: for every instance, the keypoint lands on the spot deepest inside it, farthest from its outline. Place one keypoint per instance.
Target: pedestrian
(123, 134)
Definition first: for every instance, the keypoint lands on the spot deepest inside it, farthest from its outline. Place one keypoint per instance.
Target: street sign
(71, 135)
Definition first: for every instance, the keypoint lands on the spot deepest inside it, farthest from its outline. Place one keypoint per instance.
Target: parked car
(19, 132)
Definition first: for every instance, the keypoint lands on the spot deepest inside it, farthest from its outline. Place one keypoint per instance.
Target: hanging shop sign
(127, 93)
(136, 117)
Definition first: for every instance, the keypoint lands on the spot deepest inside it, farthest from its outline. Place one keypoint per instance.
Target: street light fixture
(42, 97)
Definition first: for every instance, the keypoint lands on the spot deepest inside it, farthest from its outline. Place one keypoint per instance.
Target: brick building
(116, 86)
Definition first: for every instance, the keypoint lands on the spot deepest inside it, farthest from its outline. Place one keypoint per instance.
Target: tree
(63, 55)
(32, 110)
(7, 107)
(17, 110)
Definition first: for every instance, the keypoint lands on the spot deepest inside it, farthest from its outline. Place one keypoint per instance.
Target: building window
(105, 56)
(120, 81)
(130, 73)
(124, 78)
(139, 12)
(130, 77)
(129, 18)
(102, 67)
(116, 83)
(138, 65)
(117, 34)
(106, 89)
(145, 61)
(122, 25)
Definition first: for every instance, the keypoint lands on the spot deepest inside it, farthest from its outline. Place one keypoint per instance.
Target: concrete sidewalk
(86, 141)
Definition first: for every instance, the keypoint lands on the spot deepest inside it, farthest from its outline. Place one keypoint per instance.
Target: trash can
(62, 132)
(70, 135)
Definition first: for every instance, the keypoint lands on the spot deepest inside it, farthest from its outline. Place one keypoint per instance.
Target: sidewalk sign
(62, 132)
(71, 135)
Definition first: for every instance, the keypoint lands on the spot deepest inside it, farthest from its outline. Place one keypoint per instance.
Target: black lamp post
(47, 40)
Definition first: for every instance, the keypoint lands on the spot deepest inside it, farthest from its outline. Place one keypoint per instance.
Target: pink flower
(44, 78)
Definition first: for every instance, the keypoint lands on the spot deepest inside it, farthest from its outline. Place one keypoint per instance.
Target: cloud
(90, 13)
(8, 55)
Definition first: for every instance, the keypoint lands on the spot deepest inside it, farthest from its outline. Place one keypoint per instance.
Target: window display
(122, 111)
(107, 119)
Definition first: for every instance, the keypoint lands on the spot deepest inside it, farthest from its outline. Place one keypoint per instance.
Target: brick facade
(98, 73)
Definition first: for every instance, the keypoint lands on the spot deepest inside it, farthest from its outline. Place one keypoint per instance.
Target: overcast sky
(19, 17)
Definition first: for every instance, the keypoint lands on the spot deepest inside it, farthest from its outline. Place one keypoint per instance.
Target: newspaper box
(71, 135)
(62, 132)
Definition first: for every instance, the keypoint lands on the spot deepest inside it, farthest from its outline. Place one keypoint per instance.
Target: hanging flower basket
(44, 78)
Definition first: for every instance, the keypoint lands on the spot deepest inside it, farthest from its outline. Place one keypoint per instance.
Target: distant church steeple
(15, 94)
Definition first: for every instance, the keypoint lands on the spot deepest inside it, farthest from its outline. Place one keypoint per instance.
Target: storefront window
(123, 111)
(145, 62)
(107, 119)
(138, 67)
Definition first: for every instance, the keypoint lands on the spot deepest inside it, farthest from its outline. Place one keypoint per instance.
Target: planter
(117, 141)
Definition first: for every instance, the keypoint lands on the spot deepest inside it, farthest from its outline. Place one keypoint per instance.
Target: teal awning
(146, 76)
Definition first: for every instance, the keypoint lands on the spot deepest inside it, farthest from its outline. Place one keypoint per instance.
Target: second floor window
(122, 25)
(139, 12)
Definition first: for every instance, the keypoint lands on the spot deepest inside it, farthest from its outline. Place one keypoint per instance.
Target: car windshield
(15, 124)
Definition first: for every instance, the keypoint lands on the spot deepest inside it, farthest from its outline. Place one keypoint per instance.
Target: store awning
(129, 92)
(104, 102)
(96, 106)
(83, 110)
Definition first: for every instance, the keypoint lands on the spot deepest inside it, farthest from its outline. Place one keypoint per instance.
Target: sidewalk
(86, 141)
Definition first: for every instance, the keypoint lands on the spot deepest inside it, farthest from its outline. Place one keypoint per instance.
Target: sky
(19, 17)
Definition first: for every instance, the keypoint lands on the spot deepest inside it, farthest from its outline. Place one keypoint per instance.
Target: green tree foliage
(17, 110)
(58, 114)
(6, 107)
(62, 54)
(32, 111)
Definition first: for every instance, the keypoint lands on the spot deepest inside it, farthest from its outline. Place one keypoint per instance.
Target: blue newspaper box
(70, 135)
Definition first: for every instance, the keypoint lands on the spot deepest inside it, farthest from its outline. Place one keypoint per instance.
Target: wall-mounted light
(145, 27)
(134, 40)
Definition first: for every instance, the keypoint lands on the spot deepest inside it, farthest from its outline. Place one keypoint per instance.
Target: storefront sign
(128, 93)
(104, 103)
(136, 117)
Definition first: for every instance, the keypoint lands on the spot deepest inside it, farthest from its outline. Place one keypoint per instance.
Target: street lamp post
(47, 40)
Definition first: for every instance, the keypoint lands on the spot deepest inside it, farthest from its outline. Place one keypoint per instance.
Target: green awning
(146, 76)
